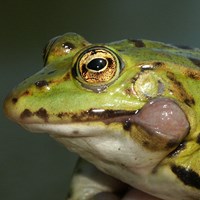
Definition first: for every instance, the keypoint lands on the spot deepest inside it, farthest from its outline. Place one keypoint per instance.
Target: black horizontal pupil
(97, 64)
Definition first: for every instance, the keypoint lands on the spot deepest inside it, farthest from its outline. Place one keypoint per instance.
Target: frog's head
(115, 102)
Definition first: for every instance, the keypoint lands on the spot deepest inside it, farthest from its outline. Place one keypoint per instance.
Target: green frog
(130, 109)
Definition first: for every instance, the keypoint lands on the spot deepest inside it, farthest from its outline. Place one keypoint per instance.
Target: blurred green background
(34, 166)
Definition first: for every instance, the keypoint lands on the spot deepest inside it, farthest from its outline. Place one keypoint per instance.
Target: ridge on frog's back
(131, 108)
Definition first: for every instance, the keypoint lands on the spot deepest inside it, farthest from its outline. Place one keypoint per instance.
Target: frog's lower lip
(67, 130)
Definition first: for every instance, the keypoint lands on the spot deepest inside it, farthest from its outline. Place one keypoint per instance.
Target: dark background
(34, 166)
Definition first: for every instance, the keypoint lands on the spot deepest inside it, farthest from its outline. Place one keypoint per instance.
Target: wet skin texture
(130, 109)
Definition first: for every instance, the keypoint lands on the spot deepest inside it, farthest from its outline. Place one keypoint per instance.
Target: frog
(130, 109)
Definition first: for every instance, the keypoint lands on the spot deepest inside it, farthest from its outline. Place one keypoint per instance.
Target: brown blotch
(40, 84)
(61, 115)
(138, 43)
(42, 113)
(198, 139)
(14, 100)
(67, 77)
(26, 93)
(75, 132)
(172, 77)
(193, 74)
(129, 91)
(180, 91)
(26, 113)
(158, 64)
(195, 61)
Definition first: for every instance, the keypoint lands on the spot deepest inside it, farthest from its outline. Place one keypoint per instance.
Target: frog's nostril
(163, 117)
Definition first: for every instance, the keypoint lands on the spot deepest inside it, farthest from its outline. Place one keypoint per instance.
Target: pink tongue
(163, 117)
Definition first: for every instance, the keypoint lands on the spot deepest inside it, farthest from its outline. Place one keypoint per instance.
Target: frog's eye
(97, 67)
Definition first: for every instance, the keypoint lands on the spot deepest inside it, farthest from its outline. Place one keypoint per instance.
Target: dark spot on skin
(120, 50)
(198, 139)
(26, 93)
(14, 100)
(145, 144)
(75, 132)
(187, 176)
(51, 72)
(42, 113)
(67, 77)
(119, 149)
(193, 75)
(195, 61)
(26, 113)
(180, 147)
(134, 79)
(40, 84)
(129, 91)
(68, 45)
(127, 125)
(180, 90)
(172, 77)
(189, 102)
(138, 43)
(158, 64)
(61, 115)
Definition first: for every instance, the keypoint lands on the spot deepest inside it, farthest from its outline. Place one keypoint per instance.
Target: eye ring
(97, 67)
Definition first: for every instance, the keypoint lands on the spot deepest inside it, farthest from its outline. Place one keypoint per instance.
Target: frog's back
(152, 50)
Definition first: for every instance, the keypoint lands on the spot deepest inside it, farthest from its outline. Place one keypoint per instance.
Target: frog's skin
(131, 108)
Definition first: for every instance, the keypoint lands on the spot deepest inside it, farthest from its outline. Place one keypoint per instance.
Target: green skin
(97, 120)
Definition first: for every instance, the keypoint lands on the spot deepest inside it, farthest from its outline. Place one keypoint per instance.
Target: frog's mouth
(160, 117)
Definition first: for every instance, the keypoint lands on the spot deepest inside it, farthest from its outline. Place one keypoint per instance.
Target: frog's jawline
(107, 116)
(91, 116)
(160, 116)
